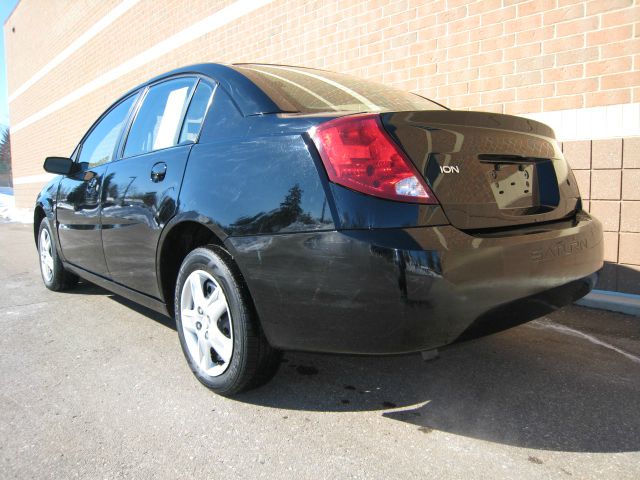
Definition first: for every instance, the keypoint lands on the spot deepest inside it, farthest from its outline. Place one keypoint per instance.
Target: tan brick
(631, 152)
(610, 246)
(454, 65)
(566, 3)
(539, 62)
(498, 16)
(605, 185)
(453, 39)
(496, 69)
(606, 153)
(618, 80)
(483, 85)
(619, 49)
(486, 59)
(610, 35)
(539, 34)
(464, 24)
(564, 103)
(574, 27)
(464, 50)
(451, 14)
(453, 89)
(498, 96)
(577, 86)
(525, 106)
(630, 248)
(483, 7)
(609, 97)
(488, 31)
(608, 212)
(464, 101)
(613, 65)
(534, 6)
(620, 17)
(580, 55)
(577, 153)
(523, 79)
(567, 72)
(502, 42)
(599, 6)
(564, 44)
(522, 51)
(583, 177)
(523, 23)
(631, 184)
(499, 108)
(534, 91)
(630, 216)
(562, 14)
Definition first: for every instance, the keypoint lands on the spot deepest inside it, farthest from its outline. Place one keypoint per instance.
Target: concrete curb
(612, 301)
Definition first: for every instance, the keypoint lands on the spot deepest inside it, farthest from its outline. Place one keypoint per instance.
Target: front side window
(157, 124)
(99, 146)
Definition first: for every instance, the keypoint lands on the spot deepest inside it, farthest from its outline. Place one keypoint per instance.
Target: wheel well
(38, 215)
(181, 240)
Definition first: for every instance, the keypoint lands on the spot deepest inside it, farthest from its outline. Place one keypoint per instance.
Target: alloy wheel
(46, 255)
(206, 323)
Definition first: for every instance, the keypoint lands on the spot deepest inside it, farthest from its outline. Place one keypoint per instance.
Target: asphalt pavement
(93, 386)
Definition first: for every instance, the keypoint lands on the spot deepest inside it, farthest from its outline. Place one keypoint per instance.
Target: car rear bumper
(404, 290)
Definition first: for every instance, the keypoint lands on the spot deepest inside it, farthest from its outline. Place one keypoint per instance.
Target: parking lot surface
(94, 386)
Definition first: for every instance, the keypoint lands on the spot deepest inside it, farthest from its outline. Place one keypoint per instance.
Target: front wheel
(218, 328)
(54, 275)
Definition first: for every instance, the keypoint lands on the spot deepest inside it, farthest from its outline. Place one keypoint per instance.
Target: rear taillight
(359, 154)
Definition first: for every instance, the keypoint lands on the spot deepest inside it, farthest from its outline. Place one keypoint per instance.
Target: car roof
(250, 99)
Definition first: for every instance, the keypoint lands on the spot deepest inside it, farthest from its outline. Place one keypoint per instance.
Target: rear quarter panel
(255, 185)
(253, 175)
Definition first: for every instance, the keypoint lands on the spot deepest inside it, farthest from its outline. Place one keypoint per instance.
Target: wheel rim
(206, 323)
(46, 255)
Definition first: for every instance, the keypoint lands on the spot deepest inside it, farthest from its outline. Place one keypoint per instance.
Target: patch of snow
(10, 213)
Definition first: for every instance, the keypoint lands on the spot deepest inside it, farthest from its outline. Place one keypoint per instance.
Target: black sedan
(271, 208)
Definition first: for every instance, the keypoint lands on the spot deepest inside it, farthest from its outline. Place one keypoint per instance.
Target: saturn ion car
(270, 208)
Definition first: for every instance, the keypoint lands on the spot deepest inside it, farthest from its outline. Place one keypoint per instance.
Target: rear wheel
(54, 275)
(219, 331)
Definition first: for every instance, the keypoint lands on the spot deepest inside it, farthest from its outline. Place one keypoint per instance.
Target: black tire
(58, 279)
(253, 361)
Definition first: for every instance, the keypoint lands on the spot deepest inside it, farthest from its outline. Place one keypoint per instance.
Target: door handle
(158, 172)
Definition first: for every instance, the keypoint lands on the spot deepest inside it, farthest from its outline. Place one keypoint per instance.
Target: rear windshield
(307, 90)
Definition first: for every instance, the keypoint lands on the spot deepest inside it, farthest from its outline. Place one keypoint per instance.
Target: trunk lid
(487, 170)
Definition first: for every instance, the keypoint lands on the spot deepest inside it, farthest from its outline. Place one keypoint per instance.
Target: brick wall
(506, 56)
(608, 174)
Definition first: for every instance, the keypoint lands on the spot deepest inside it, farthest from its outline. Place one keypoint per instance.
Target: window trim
(214, 89)
(145, 90)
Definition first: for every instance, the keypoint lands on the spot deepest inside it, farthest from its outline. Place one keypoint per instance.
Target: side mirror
(58, 165)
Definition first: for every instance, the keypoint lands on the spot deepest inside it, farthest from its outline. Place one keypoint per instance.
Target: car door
(143, 185)
(79, 194)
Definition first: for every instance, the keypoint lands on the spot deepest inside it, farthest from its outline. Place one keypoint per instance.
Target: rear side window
(158, 122)
(308, 90)
(196, 112)
(99, 146)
